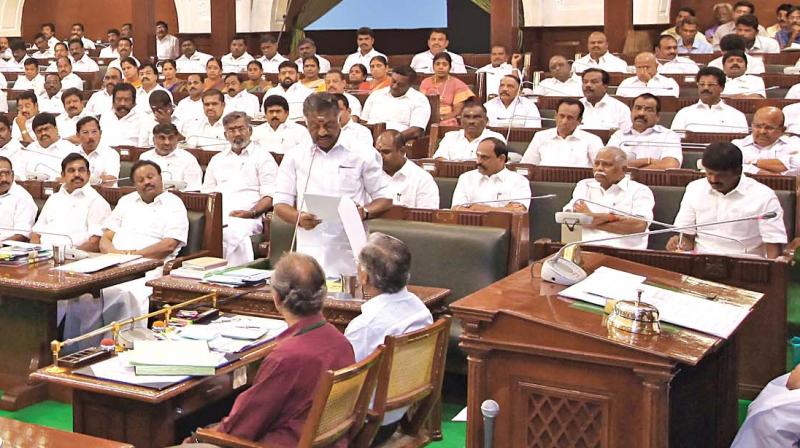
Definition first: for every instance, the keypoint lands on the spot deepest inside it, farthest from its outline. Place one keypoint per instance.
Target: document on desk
(117, 368)
(94, 264)
(685, 310)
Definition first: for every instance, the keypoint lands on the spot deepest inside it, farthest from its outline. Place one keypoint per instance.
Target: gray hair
(320, 103)
(387, 262)
(233, 116)
(300, 283)
(619, 155)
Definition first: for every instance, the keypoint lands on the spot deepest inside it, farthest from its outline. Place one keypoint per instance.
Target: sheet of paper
(324, 207)
(461, 416)
(89, 265)
(183, 352)
(118, 369)
(353, 226)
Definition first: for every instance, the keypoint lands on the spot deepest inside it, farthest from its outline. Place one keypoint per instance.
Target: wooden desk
(563, 379)
(29, 295)
(16, 434)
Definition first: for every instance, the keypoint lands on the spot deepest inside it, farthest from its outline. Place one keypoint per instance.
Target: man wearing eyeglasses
(767, 150)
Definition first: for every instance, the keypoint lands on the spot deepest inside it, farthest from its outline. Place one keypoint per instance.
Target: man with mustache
(492, 181)
(270, 58)
(237, 99)
(510, 109)
(278, 134)
(73, 111)
(755, 64)
(710, 113)
(190, 109)
(69, 80)
(689, 40)
(124, 48)
(599, 57)
(101, 101)
(409, 184)
(564, 145)
(335, 83)
(78, 31)
(60, 50)
(104, 161)
(647, 79)
(31, 79)
(562, 82)
(209, 132)
(245, 175)
(112, 36)
(191, 61)
(123, 126)
(178, 164)
(27, 108)
(610, 186)
(338, 170)
(642, 142)
(738, 84)
(740, 9)
(666, 50)
(463, 144)
(50, 100)
(161, 112)
(307, 48)
(437, 43)
(365, 39)
(601, 111)
(767, 150)
(725, 193)
(17, 208)
(288, 87)
(44, 156)
(498, 67)
(81, 62)
(399, 106)
(148, 74)
(43, 50)
(747, 26)
(166, 44)
(236, 61)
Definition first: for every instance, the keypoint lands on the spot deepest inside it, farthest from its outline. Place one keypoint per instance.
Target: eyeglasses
(703, 86)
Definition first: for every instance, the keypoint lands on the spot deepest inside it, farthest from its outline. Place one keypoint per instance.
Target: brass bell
(635, 316)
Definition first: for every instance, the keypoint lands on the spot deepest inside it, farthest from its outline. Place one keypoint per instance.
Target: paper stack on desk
(237, 277)
(14, 253)
(174, 357)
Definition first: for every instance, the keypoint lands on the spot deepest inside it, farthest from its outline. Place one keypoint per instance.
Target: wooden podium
(563, 379)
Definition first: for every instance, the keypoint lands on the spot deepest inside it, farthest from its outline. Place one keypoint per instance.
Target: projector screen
(384, 14)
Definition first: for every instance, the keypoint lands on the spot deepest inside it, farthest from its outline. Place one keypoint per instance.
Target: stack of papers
(204, 264)
(171, 357)
(234, 334)
(14, 253)
(239, 277)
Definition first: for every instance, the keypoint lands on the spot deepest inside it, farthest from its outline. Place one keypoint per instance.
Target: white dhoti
(236, 244)
(771, 418)
(329, 245)
(129, 299)
(81, 315)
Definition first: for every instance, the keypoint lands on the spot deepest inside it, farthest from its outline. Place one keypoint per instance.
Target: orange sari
(451, 92)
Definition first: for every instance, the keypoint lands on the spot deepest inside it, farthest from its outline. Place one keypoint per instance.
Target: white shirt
(627, 141)
(358, 58)
(71, 81)
(137, 224)
(700, 117)
(626, 195)
(48, 53)
(495, 74)
(521, 113)
(271, 65)
(678, 65)
(168, 47)
(244, 101)
(146, 128)
(231, 64)
(658, 85)
(745, 84)
(287, 137)
(784, 149)
(179, 165)
(12, 65)
(703, 204)
(16, 132)
(99, 103)
(548, 149)
(121, 131)
(196, 63)
(341, 172)
(792, 94)
(764, 44)
(423, 63)
(324, 64)
(108, 52)
(353, 134)
(387, 314)
(295, 95)
(399, 113)
(13, 151)
(52, 42)
(771, 418)
(792, 115)
(473, 186)
(3, 94)
(84, 64)
(143, 99)
(17, 211)
(573, 86)
(47, 160)
(50, 104)
(36, 84)
(608, 113)
(87, 43)
(607, 62)
(103, 161)
(456, 146)
(189, 110)
(354, 104)
(116, 63)
(412, 186)
(202, 134)
(755, 64)
(243, 179)
(79, 214)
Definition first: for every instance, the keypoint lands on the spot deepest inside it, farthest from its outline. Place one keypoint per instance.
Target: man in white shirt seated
(463, 143)
(236, 61)
(81, 62)
(161, 112)
(59, 51)
(245, 175)
(771, 418)
(724, 194)
(73, 111)
(31, 79)
(710, 113)
(104, 161)
(307, 48)
(737, 83)
(335, 83)
(150, 222)
(599, 56)
(112, 36)
(767, 150)
(19, 54)
(69, 80)
(123, 125)
(167, 46)
(49, 31)
(564, 145)
(191, 61)
(647, 144)
(124, 49)
(437, 43)
(78, 32)
(353, 134)
(209, 132)
(740, 9)
(148, 74)
(5, 51)
(10, 148)
(562, 82)
(190, 109)
(755, 64)
(689, 40)
(612, 188)
(101, 101)
(177, 164)
(384, 269)
(270, 58)
(279, 134)
(288, 87)
(666, 50)
(43, 50)
(50, 100)
(43, 157)
(17, 208)
(647, 79)
(27, 108)
(498, 67)
(510, 109)
(400, 106)
(409, 184)
(492, 186)
(601, 111)
(237, 99)
(747, 27)
(365, 39)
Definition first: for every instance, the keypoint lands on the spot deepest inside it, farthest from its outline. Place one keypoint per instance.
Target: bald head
(768, 126)
(560, 68)
(646, 66)
(597, 44)
(392, 150)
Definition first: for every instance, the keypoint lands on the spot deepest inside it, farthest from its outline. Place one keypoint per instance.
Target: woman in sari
(452, 91)
(171, 81)
(356, 76)
(214, 75)
(379, 67)
(311, 77)
(255, 78)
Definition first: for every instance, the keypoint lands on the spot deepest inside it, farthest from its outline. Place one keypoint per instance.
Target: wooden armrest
(790, 249)
(175, 263)
(224, 440)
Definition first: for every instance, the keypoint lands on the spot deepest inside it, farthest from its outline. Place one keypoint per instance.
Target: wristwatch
(366, 214)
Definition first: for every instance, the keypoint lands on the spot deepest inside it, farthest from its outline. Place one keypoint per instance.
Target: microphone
(650, 144)
(544, 196)
(70, 253)
(724, 127)
(489, 409)
(747, 92)
(219, 141)
(303, 201)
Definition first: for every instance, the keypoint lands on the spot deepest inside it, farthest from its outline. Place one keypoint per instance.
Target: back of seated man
(755, 64)
(724, 194)
(399, 106)
(647, 144)
(409, 184)
(492, 186)
(17, 208)
(44, 156)
(710, 113)
(463, 144)
(767, 150)
(437, 43)
(647, 79)
(601, 111)
(771, 418)
(738, 84)
(562, 81)
(610, 187)
(508, 108)
(599, 57)
(279, 134)
(565, 144)
(176, 164)
(384, 269)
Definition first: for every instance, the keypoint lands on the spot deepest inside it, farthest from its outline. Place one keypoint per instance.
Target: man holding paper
(328, 168)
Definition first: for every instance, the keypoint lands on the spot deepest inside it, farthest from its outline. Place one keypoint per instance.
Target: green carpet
(455, 433)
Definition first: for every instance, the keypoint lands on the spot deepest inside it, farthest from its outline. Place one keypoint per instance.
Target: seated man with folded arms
(17, 208)
(601, 111)
(73, 111)
(279, 134)
(599, 57)
(176, 164)
(666, 51)
(103, 160)
(647, 144)
(492, 182)
(27, 108)
(245, 175)
(510, 109)
(400, 106)
(755, 64)
(710, 113)
(150, 222)
(772, 417)
(209, 132)
(611, 187)
(409, 184)
(43, 157)
(647, 79)
(101, 102)
(463, 144)
(724, 194)
(565, 144)
(384, 269)
(562, 81)
(767, 150)
(123, 125)
(738, 84)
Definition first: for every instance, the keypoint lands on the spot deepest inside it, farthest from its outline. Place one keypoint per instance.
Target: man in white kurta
(43, 157)
(599, 56)
(279, 134)
(191, 61)
(294, 92)
(647, 79)
(772, 417)
(647, 144)
(463, 144)
(17, 208)
(601, 111)
(208, 133)
(236, 61)
(399, 106)
(123, 125)
(492, 185)
(365, 39)
(437, 43)
(710, 113)
(237, 99)
(177, 164)
(738, 83)
(409, 184)
(666, 50)
(498, 67)
(564, 145)
(103, 160)
(190, 109)
(510, 109)
(768, 150)
(562, 81)
(101, 102)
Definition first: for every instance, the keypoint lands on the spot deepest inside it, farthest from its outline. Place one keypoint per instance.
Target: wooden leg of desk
(23, 396)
